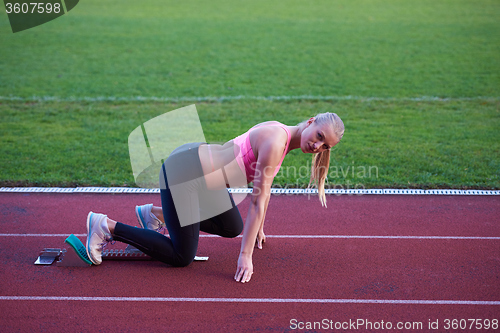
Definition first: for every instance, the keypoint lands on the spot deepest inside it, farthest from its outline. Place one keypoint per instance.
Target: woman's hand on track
(261, 239)
(245, 268)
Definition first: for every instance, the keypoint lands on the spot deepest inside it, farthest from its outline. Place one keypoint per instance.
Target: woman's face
(317, 138)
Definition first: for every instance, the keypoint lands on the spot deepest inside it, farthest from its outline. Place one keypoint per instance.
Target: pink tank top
(246, 158)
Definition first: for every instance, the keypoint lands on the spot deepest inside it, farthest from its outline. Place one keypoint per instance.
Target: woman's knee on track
(234, 231)
(183, 261)
(184, 257)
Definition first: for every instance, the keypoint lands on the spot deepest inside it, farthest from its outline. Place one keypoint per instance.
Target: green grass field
(392, 56)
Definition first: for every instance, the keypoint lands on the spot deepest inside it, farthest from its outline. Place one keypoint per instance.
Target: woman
(194, 196)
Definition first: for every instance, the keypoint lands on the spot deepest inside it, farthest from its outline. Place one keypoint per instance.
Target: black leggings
(180, 249)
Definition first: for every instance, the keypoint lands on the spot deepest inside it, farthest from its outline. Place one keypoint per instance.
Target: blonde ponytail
(321, 161)
(319, 172)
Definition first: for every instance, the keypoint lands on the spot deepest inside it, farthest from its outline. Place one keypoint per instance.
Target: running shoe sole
(139, 217)
(89, 227)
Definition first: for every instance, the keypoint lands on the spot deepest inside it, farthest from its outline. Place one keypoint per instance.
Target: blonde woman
(193, 185)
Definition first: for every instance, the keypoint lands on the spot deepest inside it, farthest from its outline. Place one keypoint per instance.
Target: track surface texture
(358, 261)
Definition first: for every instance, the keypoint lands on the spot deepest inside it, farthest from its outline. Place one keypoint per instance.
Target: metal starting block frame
(68, 257)
(130, 253)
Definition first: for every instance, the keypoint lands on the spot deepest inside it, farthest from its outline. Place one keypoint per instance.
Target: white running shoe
(147, 219)
(97, 237)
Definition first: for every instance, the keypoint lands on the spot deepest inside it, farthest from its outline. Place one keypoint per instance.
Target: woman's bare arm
(270, 152)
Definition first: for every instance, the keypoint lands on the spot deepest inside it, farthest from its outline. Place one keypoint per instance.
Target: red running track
(337, 280)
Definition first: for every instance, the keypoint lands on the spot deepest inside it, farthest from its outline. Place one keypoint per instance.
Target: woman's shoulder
(270, 129)
(269, 135)
(268, 123)
(265, 130)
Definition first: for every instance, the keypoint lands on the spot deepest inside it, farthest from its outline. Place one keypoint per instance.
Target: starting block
(76, 255)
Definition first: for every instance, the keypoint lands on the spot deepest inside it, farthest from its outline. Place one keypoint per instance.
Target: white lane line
(246, 300)
(380, 237)
(297, 236)
(41, 235)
